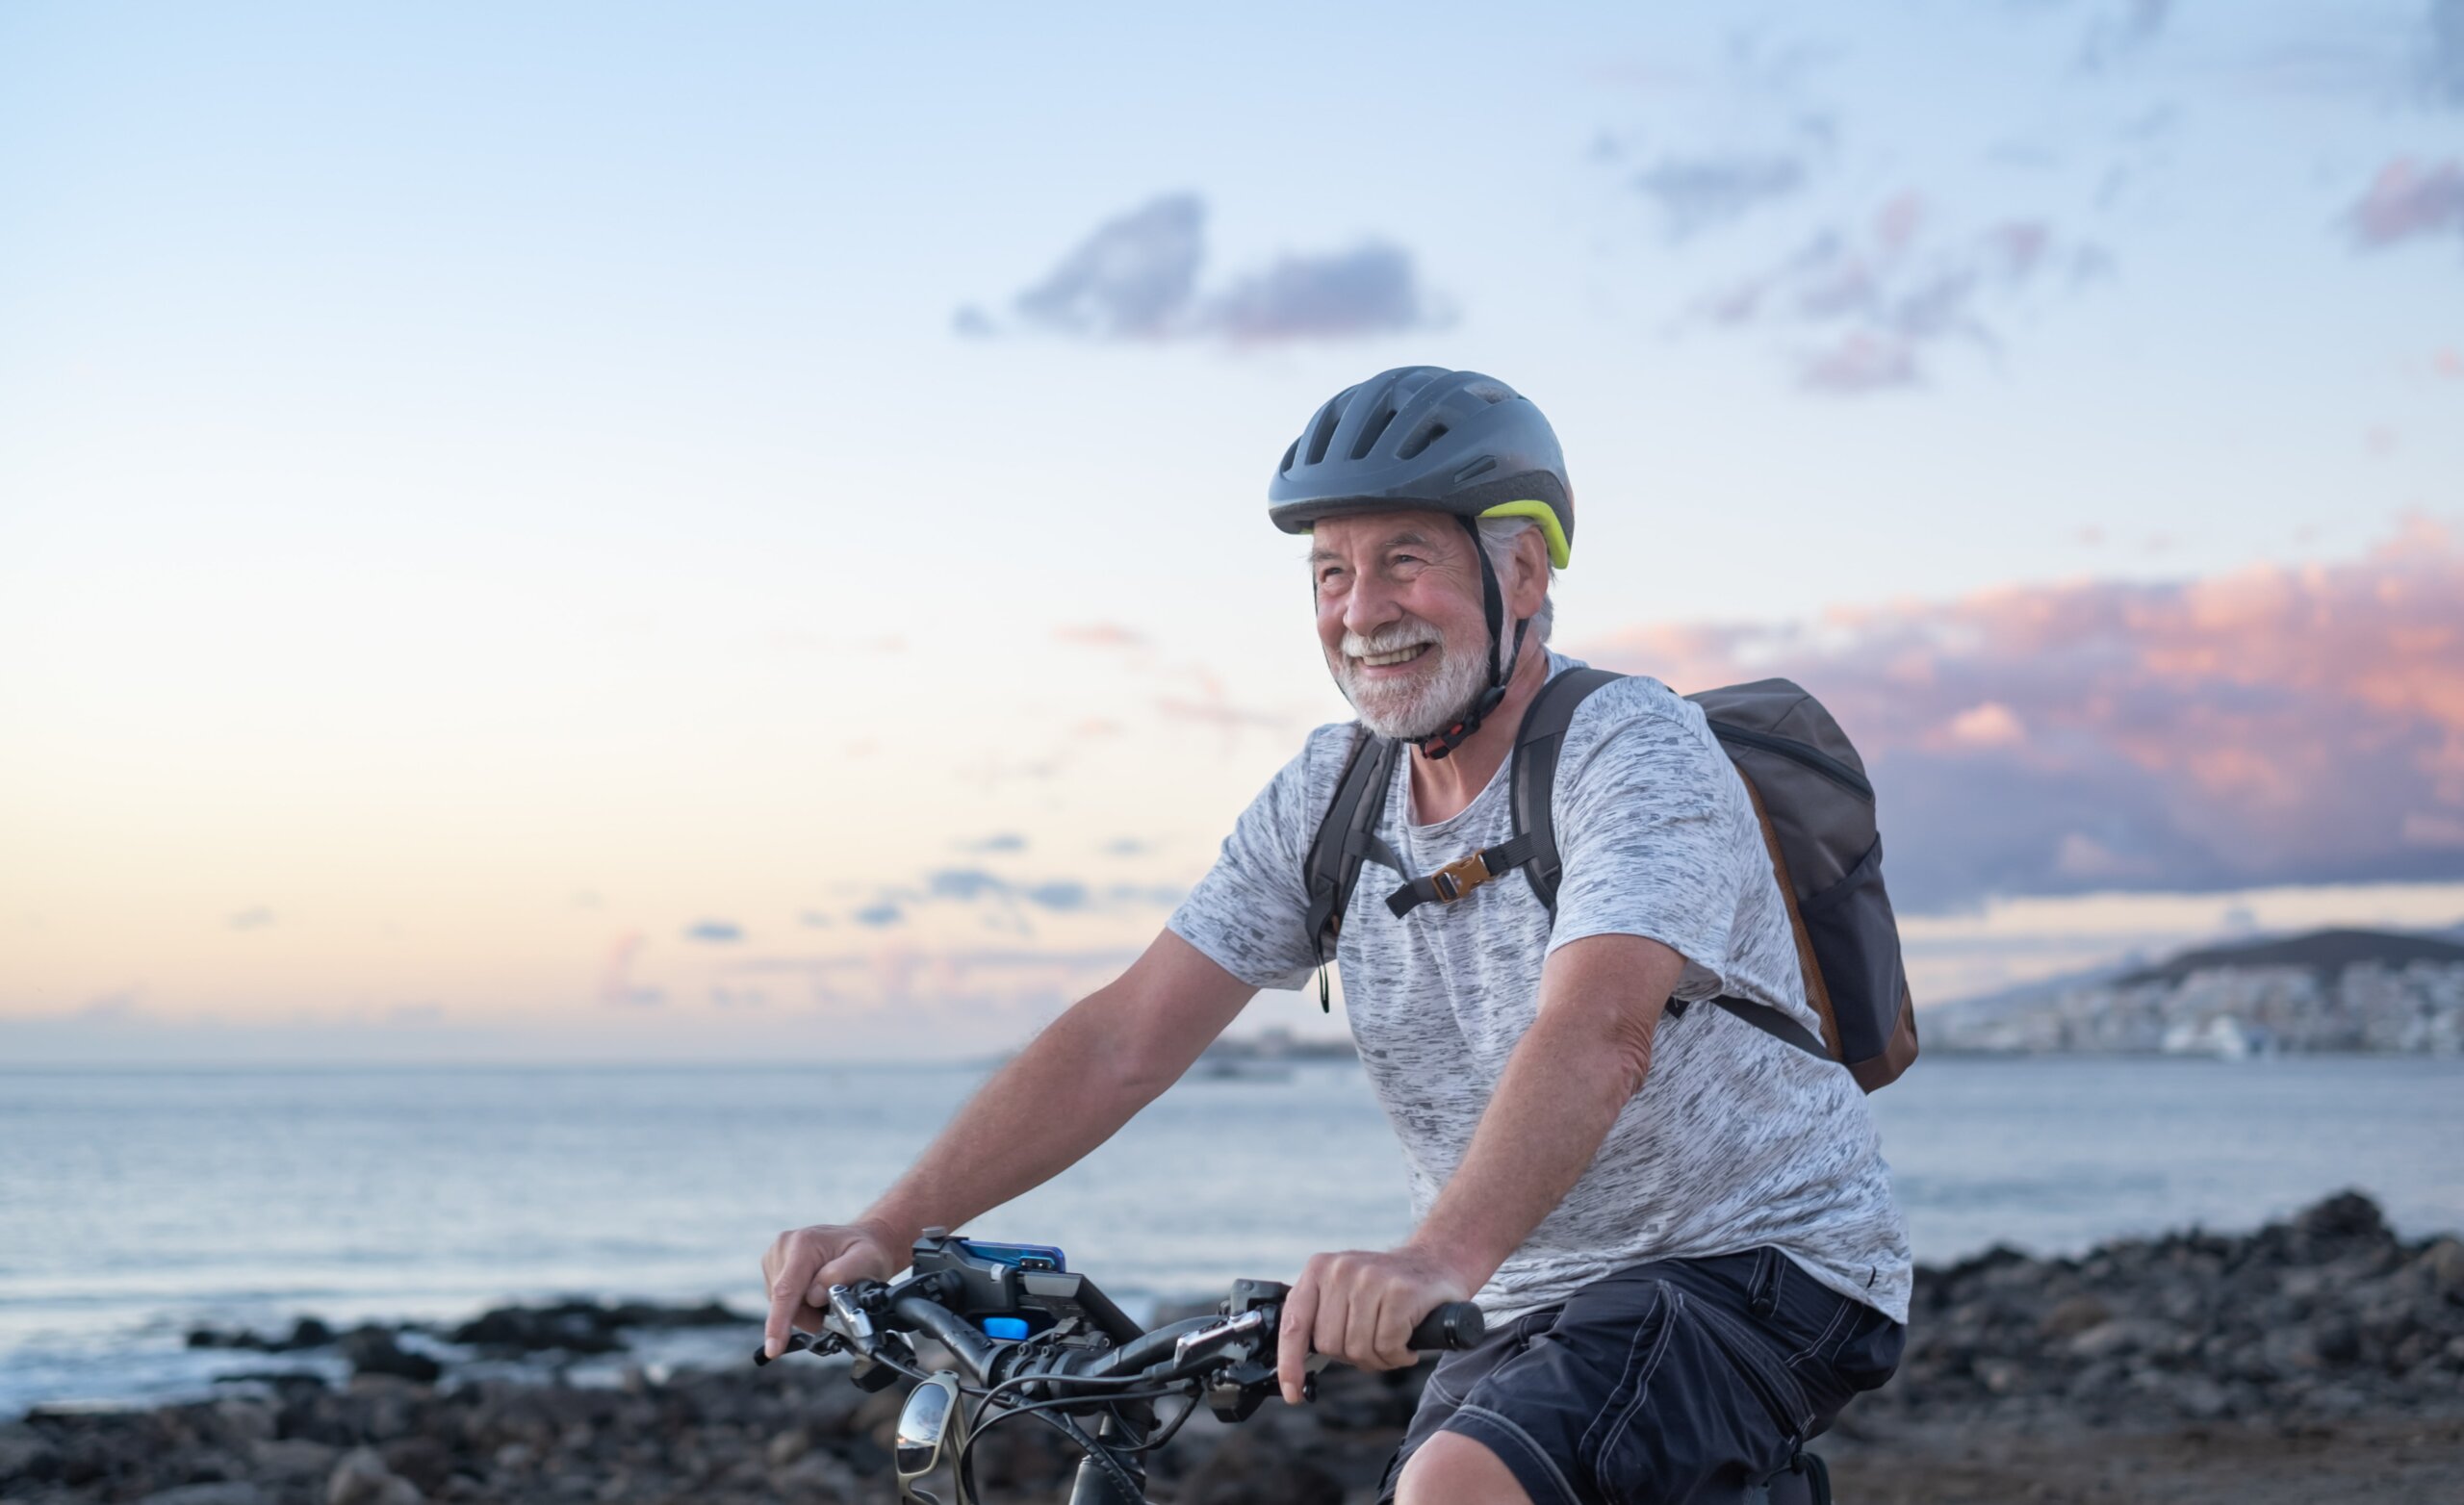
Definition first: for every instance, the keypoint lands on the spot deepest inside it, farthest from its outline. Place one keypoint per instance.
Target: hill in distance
(2323, 952)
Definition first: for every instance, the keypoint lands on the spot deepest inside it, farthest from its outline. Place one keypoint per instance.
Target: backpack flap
(1817, 809)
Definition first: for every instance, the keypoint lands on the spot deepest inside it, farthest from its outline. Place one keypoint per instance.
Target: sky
(596, 532)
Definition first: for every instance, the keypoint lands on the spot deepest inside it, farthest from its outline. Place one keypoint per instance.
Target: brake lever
(846, 1328)
(1205, 1340)
(799, 1341)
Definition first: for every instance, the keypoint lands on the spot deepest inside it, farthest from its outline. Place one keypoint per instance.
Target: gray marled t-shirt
(1736, 1139)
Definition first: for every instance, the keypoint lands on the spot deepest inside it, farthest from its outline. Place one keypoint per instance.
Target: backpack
(1809, 791)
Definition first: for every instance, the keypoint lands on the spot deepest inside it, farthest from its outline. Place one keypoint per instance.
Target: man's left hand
(1359, 1307)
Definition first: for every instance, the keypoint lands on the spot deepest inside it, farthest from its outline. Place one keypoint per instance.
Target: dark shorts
(1682, 1380)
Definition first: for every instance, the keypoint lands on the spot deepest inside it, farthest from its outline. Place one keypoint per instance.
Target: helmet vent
(1480, 467)
(1420, 441)
(1368, 437)
(1289, 455)
(1323, 433)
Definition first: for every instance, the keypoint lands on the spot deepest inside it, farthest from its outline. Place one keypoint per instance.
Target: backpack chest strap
(1459, 877)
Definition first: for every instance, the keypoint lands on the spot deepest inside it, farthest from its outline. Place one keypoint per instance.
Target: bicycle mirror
(922, 1424)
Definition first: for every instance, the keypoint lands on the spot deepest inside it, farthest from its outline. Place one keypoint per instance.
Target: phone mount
(1020, 1281)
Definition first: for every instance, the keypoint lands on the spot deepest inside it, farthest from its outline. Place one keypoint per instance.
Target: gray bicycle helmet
(1453, 441)
(1422, 436)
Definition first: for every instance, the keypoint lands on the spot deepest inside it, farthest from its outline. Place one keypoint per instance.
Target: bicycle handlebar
(1064, 1351)
(1169, 1352)
(1453, 1327)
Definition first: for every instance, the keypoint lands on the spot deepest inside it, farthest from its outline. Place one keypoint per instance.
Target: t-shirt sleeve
(1249, 914)
(1644, 830)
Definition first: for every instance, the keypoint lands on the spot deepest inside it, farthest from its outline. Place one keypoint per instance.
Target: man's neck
(1441, 787)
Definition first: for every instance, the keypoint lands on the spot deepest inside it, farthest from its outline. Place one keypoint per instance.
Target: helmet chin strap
(1493, 603)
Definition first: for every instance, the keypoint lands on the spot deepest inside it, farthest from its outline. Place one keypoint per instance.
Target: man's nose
(1369, 605)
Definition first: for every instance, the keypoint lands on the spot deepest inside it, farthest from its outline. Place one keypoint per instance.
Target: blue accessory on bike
(1012, 1329)
(1017, 1255)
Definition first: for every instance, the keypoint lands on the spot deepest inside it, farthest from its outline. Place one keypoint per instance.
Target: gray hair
(1498, 536)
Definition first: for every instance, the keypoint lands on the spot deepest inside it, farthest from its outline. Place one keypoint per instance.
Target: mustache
(1392, 639)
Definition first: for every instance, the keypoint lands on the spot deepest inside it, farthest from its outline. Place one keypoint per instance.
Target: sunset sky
(624, 532)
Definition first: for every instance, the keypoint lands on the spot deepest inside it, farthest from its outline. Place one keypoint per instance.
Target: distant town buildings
(2416, 1008)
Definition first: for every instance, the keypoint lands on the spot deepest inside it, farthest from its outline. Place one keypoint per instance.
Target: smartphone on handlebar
(1017, 1256)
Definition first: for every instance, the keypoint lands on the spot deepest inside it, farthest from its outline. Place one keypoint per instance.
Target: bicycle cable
(1054, 1413)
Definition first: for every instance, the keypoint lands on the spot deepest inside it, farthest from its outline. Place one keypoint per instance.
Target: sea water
(136, 1204)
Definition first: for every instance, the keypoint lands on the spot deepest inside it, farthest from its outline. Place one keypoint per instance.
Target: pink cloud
(1099, 635)
(1862, 361)
(2407, 199)
(2280, 724)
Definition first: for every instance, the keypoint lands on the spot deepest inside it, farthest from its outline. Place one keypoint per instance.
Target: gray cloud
(716, 932)
(948, 981)
(1369, 290)
(814, 919)
(965, 885)
(1880, 298)
(1701, 192)
(1861, 360)
(1062, 896)
(2408, 199)
(1133, 278)
(256, 917)
(1006, 899)
(998, 841)
(1136, 278)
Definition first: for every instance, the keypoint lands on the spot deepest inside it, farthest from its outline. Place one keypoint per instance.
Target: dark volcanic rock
(374, 1350)
(2329, 1309)
(582, 1326)
(2324, 1321)
(306, 1333)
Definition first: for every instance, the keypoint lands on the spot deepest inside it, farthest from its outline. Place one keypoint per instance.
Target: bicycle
(1029, 1336)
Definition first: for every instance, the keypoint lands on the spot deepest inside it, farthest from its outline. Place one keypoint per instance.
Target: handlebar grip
(1456, 1325)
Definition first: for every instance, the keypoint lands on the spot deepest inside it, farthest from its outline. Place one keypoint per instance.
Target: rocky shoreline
(2318, 1358)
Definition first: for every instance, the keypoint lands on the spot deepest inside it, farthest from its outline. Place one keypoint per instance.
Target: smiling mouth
(1401, 655)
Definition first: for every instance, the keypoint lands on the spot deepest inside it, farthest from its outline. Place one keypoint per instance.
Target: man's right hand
(803, 1263)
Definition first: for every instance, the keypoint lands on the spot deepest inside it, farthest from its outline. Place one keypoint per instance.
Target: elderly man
(1681, 1230)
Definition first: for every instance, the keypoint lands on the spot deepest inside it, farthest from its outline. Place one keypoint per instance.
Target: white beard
(1441, 690)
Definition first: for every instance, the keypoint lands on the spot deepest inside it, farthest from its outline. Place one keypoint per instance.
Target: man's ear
(1530, 572)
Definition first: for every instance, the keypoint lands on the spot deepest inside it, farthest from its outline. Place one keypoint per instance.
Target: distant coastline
(2340, 991)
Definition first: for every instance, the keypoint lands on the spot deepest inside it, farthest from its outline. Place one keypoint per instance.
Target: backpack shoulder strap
(1535, 775)
(1333, 864)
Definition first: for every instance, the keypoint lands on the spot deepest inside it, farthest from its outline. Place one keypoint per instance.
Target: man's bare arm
(1074, 1087)
(1584, 1057)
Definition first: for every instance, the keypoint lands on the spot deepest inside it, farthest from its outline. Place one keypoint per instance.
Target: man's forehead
(1377, 531)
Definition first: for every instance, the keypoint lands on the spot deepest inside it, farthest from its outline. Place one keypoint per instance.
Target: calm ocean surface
(133, 1204)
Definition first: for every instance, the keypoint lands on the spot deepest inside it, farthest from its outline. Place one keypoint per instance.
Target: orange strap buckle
(1461, 876)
